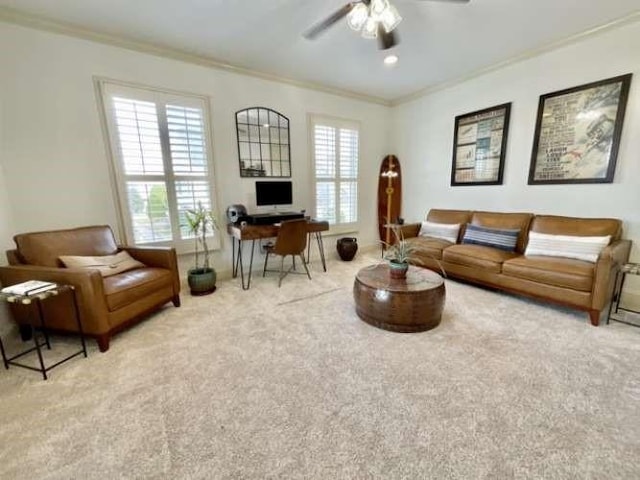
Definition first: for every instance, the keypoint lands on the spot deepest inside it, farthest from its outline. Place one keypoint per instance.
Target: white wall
(423, 137)
(56, 168)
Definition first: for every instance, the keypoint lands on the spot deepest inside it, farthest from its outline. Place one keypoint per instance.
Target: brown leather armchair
(106, 304)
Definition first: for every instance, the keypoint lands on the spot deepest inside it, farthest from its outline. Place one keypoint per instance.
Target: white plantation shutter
(348, 180)
(335, 166)
(161, 158)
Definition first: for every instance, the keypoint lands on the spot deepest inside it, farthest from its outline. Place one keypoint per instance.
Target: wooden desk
(240, 234)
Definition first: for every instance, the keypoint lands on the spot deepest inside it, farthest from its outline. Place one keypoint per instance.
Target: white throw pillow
(107, 265)
(580, 248)
(445, 231)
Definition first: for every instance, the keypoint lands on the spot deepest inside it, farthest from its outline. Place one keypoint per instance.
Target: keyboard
(271, 218)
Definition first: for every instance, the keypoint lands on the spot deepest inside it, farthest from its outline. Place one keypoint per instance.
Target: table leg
(321, 250)
(247, 285)
(308, 259)
(43, 370)
(4, 355)
(44, 330)
(234, 260)
(77, 310)
(623, 274)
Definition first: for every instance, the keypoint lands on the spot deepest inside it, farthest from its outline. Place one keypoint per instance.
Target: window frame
(105, 89)
(335, 122)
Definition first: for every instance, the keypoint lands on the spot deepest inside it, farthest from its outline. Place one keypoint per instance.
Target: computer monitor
(274, 193)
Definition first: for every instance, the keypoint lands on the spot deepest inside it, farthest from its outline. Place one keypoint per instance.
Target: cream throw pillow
(107, 265)
(445, 231)
(580, 248)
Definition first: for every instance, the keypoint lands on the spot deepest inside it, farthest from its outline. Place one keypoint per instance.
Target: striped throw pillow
(580, 248)
(504, 239)
(445, 231)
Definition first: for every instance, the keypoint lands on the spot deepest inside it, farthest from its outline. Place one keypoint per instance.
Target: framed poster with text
(479, 146)
(578, 132)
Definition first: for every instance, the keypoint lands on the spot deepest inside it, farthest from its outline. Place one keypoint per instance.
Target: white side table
(39, 324)
(618, 314)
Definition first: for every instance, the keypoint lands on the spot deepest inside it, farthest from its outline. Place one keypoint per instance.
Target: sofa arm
(610, 259)
(410, 230)
(159, 257)
(90, 295)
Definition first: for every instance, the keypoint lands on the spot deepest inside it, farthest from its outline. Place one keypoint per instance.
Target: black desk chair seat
(291, 240)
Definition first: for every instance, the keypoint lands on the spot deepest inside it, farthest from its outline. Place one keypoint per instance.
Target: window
(335, 166)
(161, 155)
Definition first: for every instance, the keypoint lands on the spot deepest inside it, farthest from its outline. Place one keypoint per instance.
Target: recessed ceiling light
(390, 59)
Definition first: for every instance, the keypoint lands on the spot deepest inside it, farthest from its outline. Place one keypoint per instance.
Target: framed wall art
(578, 132)
(479, 146)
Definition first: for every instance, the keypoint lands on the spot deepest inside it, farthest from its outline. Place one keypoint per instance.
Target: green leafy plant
(400, 251)
(403, 251)
(201, 223)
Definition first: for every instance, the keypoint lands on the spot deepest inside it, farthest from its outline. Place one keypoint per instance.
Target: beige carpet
(288, 383)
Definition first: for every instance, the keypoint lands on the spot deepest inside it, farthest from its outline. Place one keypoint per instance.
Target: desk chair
(291, 240)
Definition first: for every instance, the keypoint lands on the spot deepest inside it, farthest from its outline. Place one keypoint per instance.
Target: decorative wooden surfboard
(389, 195)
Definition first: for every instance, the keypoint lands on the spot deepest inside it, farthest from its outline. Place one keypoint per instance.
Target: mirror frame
(262, 143)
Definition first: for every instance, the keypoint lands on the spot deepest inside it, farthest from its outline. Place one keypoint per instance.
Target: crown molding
(10, 15)
(534, 52)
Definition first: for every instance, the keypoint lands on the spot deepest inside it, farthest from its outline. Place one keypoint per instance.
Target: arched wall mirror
(263, 143)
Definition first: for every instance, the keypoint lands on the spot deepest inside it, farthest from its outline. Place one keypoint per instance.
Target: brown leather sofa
(575, 283)
(106, 304)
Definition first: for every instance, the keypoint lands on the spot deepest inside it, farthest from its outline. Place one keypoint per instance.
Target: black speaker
(236, 212)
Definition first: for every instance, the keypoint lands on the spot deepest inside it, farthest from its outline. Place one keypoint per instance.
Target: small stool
(315, 227)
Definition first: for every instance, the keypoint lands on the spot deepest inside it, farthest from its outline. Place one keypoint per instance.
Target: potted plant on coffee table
(201, 223)
(398, 255)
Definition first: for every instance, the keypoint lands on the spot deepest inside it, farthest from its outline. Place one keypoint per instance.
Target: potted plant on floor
(201, 223)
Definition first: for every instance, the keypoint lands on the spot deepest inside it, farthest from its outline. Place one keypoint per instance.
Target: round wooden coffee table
(413, 304)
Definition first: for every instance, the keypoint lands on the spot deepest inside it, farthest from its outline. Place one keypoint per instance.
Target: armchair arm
(410, 230)
(88, 284)
(159, 257)
(610, 259)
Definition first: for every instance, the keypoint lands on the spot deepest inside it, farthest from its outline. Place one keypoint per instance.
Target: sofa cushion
(461, 217)
(44, 248)
(107, 265)
(428, 247)
(509, 221)
(585, 227)
(478, 256)
(567, 246)
(445, 231)
(504, 239)
(128, 287)
(561, 272)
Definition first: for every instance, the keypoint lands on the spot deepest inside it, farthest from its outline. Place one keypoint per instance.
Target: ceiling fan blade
(320, 27)
(386, 39)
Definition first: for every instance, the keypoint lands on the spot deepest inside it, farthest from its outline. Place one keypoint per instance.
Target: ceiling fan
(372, 18)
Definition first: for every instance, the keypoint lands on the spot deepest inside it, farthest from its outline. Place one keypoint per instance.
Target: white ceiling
(440, 42)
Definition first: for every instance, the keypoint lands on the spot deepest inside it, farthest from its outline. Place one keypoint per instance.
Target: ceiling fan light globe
(370, 28)
(378, 6)
(357, 17)
(390, 18)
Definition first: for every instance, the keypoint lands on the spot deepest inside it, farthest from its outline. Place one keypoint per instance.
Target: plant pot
(347, 248)
(202, 281)
(398, 271)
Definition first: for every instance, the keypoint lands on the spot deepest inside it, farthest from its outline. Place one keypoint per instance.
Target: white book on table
(30, 287)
